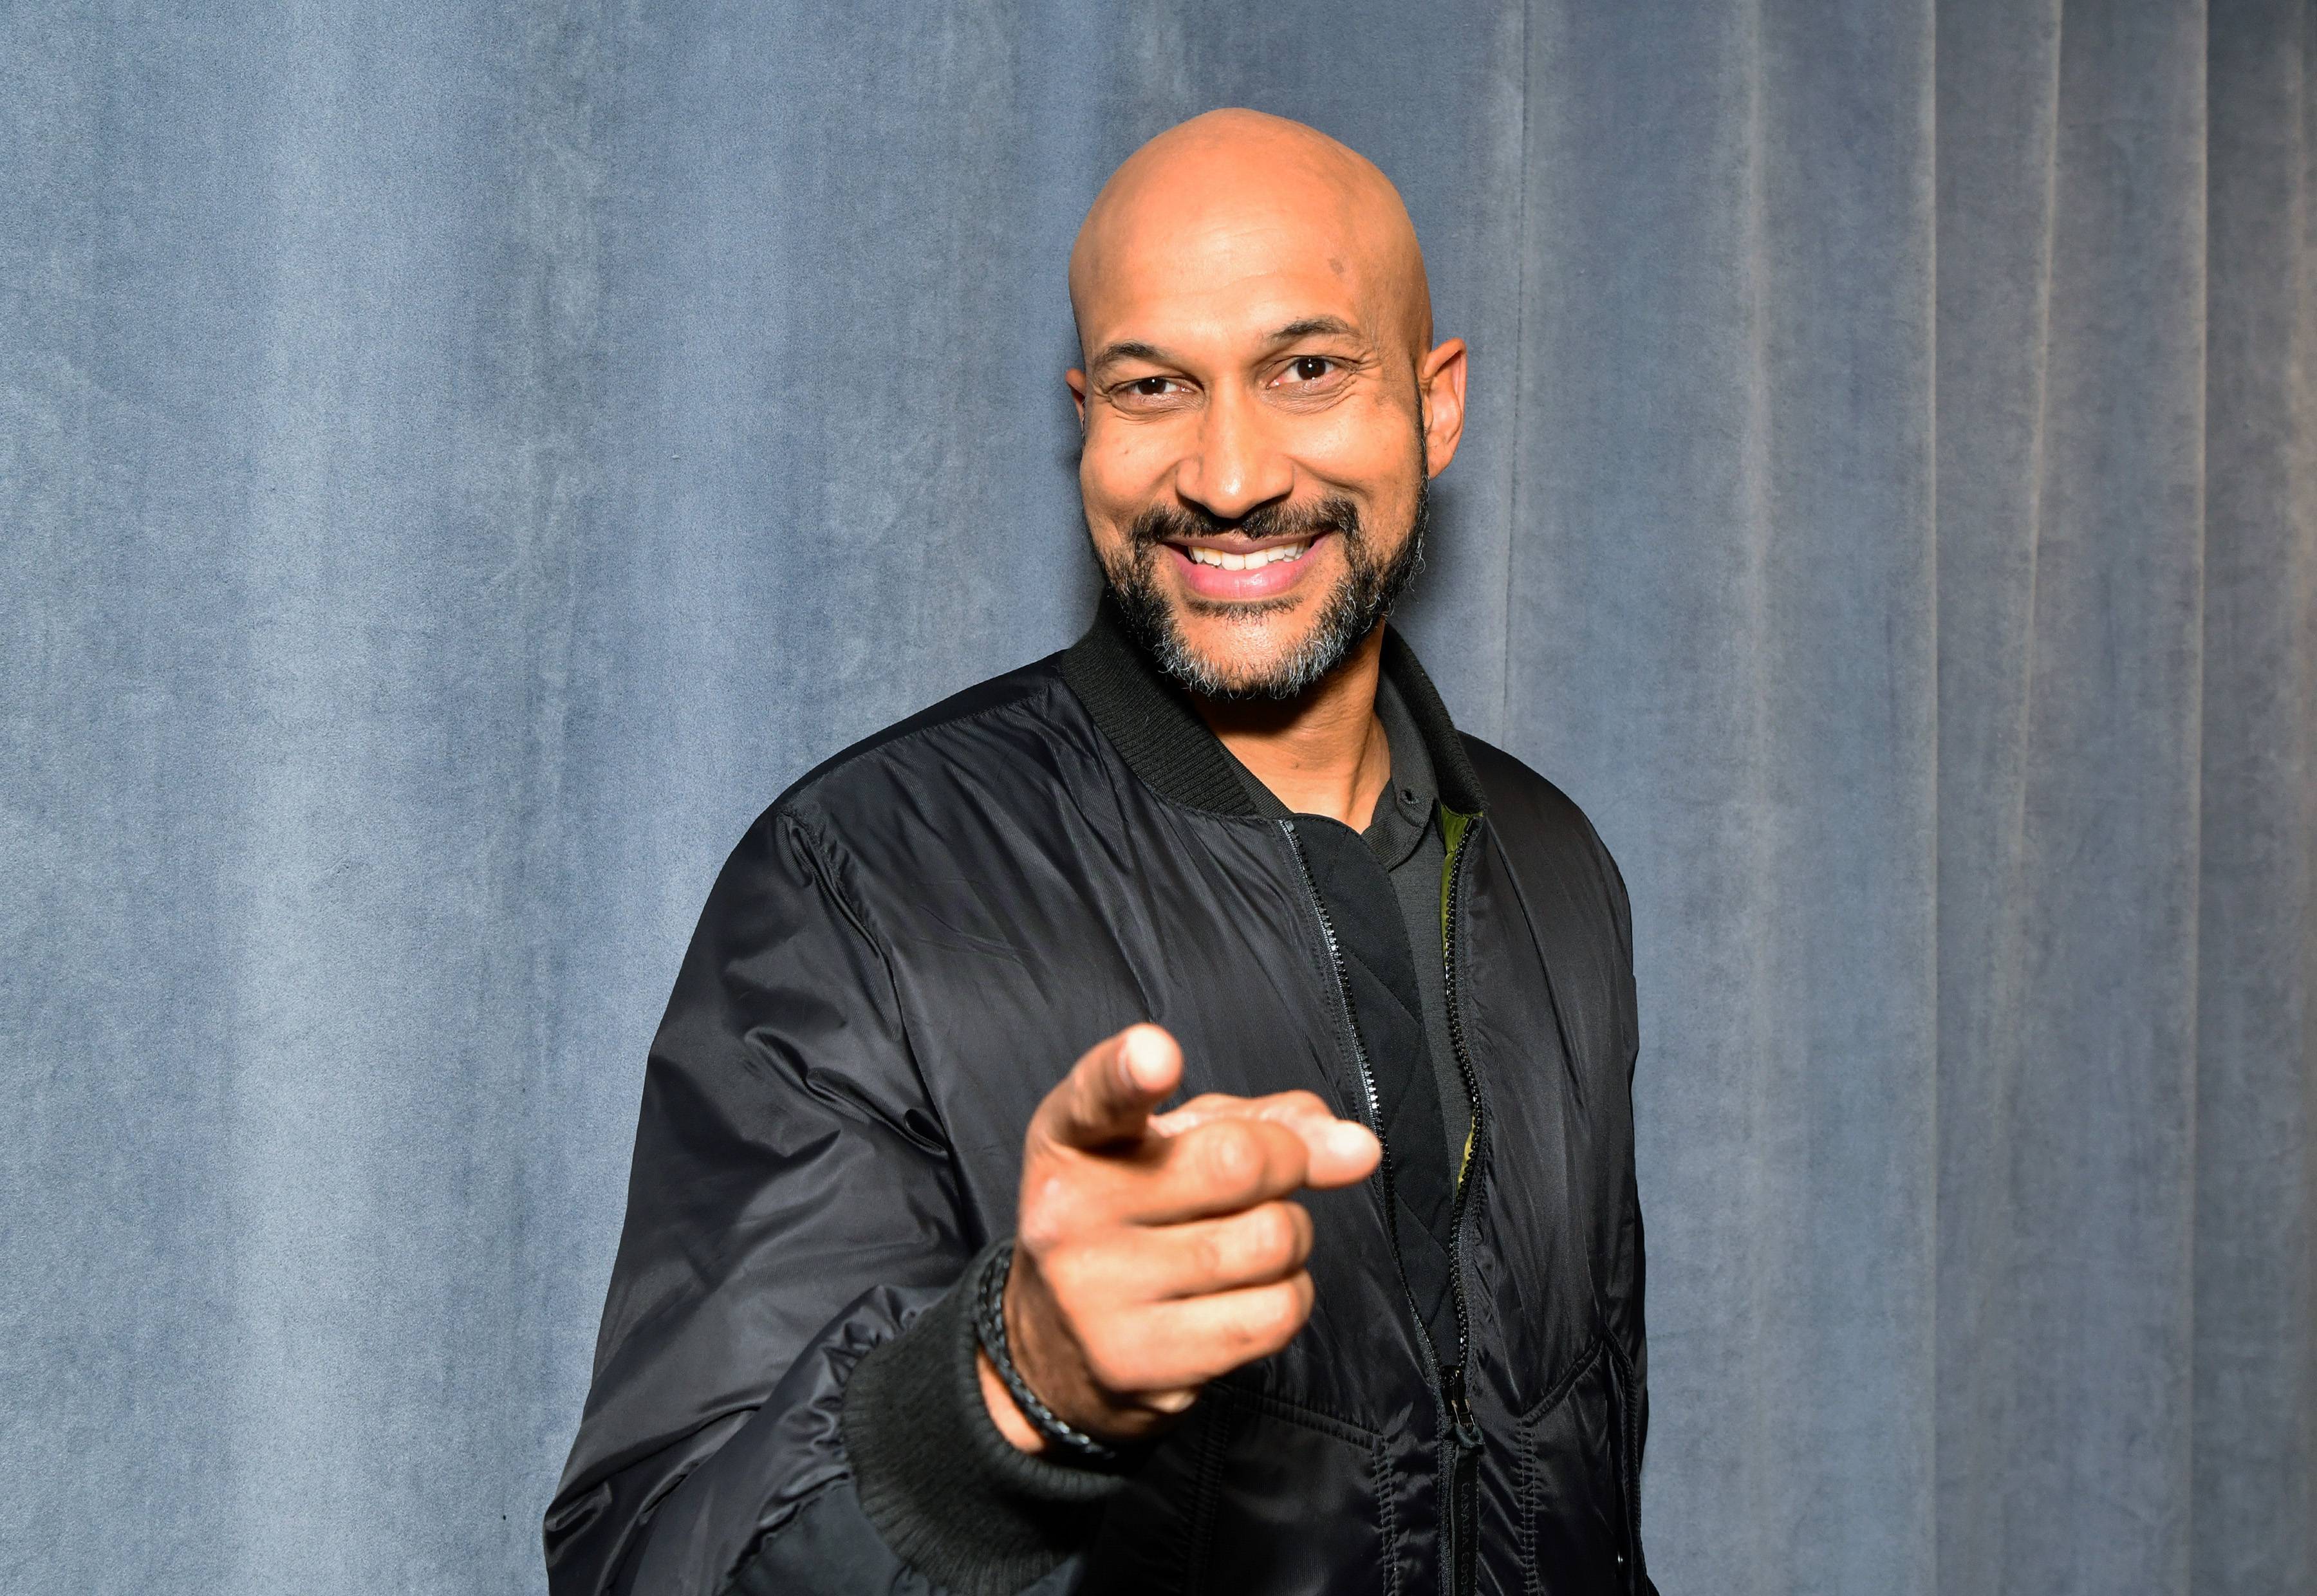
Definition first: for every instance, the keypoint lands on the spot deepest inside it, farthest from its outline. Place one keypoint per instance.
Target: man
(906, 1300)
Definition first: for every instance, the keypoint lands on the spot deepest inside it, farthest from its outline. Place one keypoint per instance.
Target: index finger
(1341, 1151)
(1107, 1097)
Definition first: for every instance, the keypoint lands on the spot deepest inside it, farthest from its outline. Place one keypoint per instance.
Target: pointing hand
(1154, 1253)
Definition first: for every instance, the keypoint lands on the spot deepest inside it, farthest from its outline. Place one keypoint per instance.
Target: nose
(1236, 467)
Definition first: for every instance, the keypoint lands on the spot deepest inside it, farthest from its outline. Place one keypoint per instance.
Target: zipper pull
(1460, 1409)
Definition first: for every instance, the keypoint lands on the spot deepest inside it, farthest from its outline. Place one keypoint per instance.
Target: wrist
(990, 1294)
(1005, 1412)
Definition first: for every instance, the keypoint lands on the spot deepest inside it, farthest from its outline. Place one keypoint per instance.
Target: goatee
(1371, 584)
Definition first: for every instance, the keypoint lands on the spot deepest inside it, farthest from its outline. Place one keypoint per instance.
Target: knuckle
(1037, 1231)
(1209, 1255)
(1307, 1103)
(1272, 1315)
(1263, 1238)
(1299, 1224)
(1064, 1270)
(1233, 1153)
(1283, 1313)
(1108, 1363)
(1244, 1332)
(1281, 1238)
(1045, 1217)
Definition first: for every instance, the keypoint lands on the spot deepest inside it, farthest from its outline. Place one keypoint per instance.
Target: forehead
(1217, 271)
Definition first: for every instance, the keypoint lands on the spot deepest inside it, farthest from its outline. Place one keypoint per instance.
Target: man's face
(1255, 460)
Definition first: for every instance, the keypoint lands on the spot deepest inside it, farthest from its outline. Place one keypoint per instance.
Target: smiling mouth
(1249, 559)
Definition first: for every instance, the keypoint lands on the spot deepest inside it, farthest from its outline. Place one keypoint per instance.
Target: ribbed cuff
(956, 1500)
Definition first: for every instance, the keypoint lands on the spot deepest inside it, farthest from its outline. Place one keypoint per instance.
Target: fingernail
(1348, 1140)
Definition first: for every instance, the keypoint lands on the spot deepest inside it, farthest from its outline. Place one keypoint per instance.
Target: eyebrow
(1315, 327)
(1310, 327)
(1126, 349)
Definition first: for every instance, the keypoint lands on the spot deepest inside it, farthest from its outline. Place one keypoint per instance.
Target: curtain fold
(2253, 1495)
(2069, 819)
(456, 470)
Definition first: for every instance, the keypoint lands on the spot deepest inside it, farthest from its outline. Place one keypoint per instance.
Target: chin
(1243, 641)
(1253, 653)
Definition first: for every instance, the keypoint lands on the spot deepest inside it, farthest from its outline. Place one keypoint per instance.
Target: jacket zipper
(1464, 1466)
(1359, 1050)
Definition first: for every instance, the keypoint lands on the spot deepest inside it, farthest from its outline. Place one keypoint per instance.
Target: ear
(1440, 389)
(1077, 380)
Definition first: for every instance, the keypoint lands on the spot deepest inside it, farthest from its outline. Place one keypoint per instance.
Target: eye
(1148, 393)
(1310, 367)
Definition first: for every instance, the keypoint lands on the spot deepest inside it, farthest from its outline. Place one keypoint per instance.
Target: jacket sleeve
(784, 1395)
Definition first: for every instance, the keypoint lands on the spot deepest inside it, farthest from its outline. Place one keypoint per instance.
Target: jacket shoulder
(1005, 735)
(1536, 817)
(1521, 796)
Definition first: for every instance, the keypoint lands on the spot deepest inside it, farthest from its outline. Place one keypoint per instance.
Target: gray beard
(1353, 608)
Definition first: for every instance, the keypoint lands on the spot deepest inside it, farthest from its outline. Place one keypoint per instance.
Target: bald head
(1236, 197)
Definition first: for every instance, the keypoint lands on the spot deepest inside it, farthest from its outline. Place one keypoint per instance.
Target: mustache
(1167, 523)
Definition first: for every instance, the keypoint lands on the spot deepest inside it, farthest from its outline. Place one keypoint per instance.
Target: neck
(1323, 752)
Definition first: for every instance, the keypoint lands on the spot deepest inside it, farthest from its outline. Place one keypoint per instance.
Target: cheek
(1130, 461)
(1118, 478)
(1371, 450)
(1106, 516)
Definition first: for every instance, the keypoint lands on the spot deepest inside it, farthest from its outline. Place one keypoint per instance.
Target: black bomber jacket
(899, 960)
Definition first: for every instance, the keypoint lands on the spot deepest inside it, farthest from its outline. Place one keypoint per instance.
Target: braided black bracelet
(989, 1329)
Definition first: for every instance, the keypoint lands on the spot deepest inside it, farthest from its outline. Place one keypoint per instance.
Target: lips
(1243, 571)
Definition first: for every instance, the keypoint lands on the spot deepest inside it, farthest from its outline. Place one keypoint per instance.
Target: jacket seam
(826, 853)
(1524, 1509)
(844, 759)
(1294, 1412)
(1387, 1512)
(1558, 1392)
(1627, 1042)
(1206, 1503)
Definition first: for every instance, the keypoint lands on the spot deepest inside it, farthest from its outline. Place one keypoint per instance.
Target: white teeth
(1245, 562)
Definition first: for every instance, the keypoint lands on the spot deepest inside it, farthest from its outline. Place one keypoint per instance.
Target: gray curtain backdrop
(458, 462)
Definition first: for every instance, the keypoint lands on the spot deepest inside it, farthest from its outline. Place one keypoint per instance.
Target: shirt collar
(1404, 808)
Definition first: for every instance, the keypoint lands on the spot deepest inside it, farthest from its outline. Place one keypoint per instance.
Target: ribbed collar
(1150, 720)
